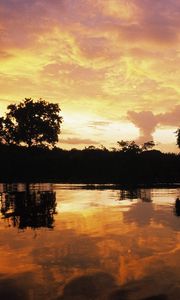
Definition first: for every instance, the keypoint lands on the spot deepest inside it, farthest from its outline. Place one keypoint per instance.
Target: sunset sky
(112, 65)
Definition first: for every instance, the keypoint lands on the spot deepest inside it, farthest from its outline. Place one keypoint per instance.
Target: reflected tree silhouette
(131, 194)
(29, 208)
(128, 194)
(177, 207)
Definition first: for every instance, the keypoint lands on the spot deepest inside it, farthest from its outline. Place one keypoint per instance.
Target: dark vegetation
(90, 165)
(178, 137)
(29, 132)
(31, 123)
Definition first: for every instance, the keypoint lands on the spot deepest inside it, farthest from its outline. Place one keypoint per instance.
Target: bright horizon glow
(113, 66)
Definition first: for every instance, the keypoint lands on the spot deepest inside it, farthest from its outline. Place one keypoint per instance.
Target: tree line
(37, 164)
(28, 153)
(38, 123)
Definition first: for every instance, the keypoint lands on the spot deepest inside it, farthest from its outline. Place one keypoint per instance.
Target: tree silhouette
(178, 137)
(132, 147)
(148, 145)
(33, 123)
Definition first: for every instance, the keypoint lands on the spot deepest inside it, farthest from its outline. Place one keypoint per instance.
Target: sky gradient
(112, 65)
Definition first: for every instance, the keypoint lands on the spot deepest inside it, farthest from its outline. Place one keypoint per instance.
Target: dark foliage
(132, 147)
(178, 137)
(31, 123)
(88, 165)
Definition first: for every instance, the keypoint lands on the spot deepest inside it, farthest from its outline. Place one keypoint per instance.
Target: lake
(88, 242)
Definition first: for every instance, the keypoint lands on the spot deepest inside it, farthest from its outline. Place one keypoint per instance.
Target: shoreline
(97, 185)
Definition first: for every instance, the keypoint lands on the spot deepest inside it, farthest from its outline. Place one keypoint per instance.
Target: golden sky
(112, 65)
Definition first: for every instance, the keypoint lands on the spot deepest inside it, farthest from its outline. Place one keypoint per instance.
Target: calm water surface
(73, 242)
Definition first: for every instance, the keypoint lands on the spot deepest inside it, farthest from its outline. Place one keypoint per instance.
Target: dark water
(68, 242)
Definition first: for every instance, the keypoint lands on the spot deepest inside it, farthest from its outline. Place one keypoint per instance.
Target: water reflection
(132, 194)
(101, 285)
(98, 285)
(24, 206)
(142, 213)
(107, 244)
(177, 207)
